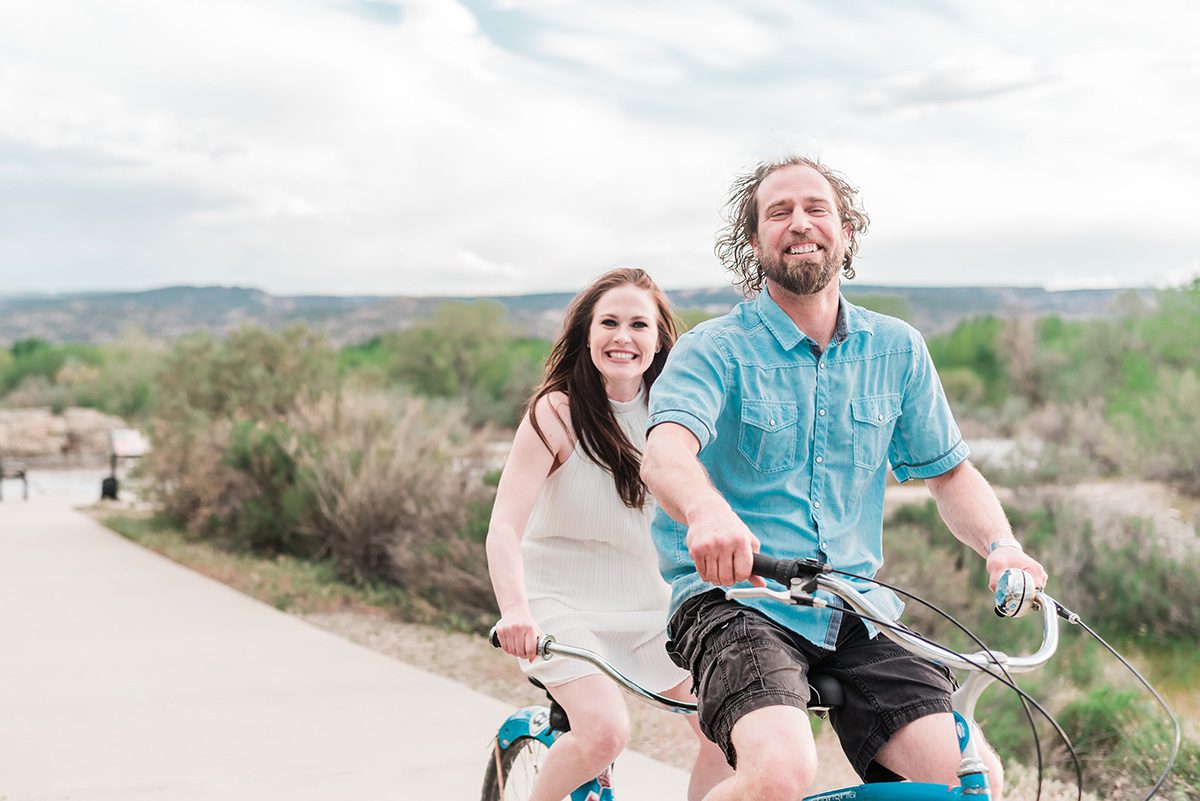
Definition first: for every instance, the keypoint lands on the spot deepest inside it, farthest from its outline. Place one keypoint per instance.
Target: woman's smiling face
(623, 336)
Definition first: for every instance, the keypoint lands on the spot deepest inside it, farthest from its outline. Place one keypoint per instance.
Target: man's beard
(802, 278)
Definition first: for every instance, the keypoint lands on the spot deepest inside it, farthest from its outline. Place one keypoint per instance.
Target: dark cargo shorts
(741, 661)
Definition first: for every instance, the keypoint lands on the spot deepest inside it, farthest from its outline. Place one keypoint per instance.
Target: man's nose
(800, 222)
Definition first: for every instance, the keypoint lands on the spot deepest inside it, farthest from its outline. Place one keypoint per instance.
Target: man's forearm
(678, 480)
(974, 515)
(970, 508)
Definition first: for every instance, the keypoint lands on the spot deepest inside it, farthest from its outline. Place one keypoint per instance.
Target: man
(772, 427)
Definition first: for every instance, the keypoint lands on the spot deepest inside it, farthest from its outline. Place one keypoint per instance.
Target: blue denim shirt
(798, 441)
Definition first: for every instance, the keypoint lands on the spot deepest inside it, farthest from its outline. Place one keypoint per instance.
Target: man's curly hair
(741, 216)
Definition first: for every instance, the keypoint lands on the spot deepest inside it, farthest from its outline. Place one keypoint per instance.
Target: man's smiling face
(800, 242)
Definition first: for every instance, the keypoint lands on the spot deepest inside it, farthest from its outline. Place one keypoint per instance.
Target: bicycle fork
(972, 772)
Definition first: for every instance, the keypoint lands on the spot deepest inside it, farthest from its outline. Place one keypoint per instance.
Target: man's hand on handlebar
(722, 548)
(1002, 559)
(518, 634)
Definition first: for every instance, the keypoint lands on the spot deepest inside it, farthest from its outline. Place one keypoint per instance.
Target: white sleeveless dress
(591, 571)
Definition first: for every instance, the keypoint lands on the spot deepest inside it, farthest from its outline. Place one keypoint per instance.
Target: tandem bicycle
(527, 734)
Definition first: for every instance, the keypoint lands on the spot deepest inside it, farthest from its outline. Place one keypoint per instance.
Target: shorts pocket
(768, 434)
(874, 420)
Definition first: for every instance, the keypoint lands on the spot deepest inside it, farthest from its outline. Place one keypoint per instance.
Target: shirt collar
(850, 319)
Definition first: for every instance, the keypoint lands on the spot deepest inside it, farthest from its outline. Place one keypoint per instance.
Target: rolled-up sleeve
(691, 389)
(926, 441)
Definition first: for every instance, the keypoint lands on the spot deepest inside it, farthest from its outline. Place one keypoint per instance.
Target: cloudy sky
(510, 146)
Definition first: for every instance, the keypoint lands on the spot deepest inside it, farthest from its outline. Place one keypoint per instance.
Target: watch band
(1006, 542)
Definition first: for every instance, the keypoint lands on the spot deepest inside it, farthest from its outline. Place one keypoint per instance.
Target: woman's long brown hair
(570, 370)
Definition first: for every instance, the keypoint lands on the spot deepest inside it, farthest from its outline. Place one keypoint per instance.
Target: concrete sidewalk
(125, 676)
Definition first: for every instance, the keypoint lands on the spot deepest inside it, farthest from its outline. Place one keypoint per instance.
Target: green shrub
(974, 344)
(466, 352)
(269, 519)
(254, 374)
(1124, 740)
(963, 386)
(1162, 433)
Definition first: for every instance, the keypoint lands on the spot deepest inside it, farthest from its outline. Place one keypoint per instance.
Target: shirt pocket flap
(876, 410)
(769, 415)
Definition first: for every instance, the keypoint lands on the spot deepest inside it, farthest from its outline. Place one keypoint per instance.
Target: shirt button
(770, 422)
(824, 545)
(822, 366)
(816, 504)
(821, 412)
(878, 418)
(819, 460)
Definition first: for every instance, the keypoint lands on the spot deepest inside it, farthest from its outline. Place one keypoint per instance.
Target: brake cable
(1072, 618)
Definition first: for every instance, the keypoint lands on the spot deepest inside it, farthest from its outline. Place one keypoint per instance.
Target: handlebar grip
(771, 568)
(784, 570)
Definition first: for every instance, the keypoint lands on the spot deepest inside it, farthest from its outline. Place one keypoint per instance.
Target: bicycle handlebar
(1015, 594)
(548, 647)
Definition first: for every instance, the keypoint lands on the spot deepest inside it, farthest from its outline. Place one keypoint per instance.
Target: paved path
(125, 676)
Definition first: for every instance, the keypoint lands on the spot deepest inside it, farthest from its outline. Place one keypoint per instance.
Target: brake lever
(798, 595)
(736, 593)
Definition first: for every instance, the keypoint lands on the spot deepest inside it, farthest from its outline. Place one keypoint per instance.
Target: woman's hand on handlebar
(518, 634)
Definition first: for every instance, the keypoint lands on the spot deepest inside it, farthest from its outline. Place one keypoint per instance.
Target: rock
(77, 436)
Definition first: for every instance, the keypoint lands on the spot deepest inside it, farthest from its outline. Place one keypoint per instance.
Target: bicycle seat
(558, 715)
(825, 693)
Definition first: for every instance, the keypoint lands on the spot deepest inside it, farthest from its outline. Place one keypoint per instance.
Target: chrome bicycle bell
(1015, 593)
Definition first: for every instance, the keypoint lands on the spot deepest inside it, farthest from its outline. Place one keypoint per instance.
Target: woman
(569, 548)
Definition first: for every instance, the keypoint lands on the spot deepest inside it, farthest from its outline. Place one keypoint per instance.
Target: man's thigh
(740, 662)
(886, 688)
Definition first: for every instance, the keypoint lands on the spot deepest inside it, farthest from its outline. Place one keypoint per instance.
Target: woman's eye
(608, 323)
(640, 324)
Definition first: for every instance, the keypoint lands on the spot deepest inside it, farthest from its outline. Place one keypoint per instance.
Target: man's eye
(778, 214)
(819, 210)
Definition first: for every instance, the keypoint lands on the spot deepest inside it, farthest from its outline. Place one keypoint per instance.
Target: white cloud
(368, 146)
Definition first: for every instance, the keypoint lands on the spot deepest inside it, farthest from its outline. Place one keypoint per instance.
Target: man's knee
(925, 749)
(776, 755)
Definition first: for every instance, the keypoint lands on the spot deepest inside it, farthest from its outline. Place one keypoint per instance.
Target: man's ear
(754, 244)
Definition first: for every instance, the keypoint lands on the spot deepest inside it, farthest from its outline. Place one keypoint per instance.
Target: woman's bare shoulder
(553, 414)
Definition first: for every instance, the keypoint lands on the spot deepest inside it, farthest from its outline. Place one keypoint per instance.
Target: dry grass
(392, 491)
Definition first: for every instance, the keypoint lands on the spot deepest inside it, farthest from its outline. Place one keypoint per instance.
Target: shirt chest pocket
(768, 435)
(874, 420)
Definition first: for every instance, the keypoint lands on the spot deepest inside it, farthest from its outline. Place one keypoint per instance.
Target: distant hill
(173, 311)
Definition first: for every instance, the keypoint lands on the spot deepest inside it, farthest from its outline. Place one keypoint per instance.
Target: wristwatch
(1006, 542)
